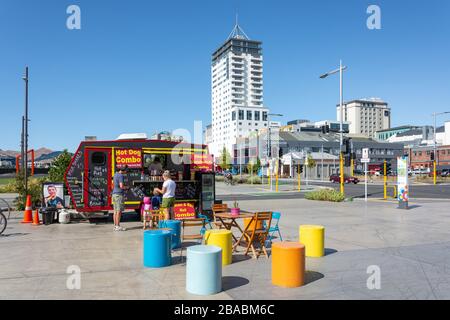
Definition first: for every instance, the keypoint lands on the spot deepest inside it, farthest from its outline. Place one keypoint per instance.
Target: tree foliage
(59, 167)
(224, 159)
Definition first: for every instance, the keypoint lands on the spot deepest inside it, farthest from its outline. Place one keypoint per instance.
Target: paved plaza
(411, 248)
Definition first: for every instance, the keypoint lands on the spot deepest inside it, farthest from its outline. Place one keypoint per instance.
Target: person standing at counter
(168, 192)
(156, 167)
(117, 196)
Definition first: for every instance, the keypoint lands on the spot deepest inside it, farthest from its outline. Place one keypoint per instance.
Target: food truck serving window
(98, 158)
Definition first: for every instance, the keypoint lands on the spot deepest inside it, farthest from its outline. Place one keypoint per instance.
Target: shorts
(168, 202)
(118, 202)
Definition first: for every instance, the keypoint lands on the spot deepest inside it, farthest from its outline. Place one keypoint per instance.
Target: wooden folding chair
(258, 236)
(219, 208)
(153, 217)
(187, 223)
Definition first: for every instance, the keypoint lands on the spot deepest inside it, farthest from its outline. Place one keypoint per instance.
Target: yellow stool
(247, 222)
(220, 238)
(313, 237)
(288, 264)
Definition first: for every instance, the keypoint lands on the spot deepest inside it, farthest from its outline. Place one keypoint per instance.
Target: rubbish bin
(48, 215)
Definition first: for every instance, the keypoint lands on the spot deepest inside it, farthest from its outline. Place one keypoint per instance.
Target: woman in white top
(168, 192)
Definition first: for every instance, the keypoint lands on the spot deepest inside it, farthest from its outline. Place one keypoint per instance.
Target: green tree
(253, 166)
(311, 162)
(225, 159)
(59, 167)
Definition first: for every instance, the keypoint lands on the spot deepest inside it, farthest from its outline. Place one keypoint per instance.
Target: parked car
(335, 178)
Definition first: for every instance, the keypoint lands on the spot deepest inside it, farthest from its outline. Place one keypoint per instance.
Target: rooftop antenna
(237, 32)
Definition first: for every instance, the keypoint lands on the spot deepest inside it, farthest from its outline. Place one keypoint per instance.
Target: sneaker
(121, 229)
(116, 228)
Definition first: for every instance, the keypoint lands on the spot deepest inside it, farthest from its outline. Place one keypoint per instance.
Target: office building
(366, 116)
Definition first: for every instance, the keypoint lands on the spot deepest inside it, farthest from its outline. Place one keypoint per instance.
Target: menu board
(136, 191)
(74, 179)
(98, 186)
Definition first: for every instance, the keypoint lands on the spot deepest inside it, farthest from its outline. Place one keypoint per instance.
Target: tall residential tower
(236, 90)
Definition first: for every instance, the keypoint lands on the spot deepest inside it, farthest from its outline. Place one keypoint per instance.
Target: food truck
(89, 175)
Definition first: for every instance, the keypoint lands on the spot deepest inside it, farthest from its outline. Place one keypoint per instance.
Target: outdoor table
(232, 223)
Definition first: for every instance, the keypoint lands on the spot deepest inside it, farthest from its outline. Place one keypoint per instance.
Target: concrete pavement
(409, 247)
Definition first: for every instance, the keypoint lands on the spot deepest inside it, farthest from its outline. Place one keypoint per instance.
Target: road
(351, 190)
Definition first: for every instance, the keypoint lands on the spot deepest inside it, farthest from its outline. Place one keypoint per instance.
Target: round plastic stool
(157, 248)
(221, 238)
(313, 237)
(288, 264)
(204, 270)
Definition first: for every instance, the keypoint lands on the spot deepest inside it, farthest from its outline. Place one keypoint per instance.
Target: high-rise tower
(236, 91)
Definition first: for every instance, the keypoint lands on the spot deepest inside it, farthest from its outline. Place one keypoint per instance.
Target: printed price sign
(130, 157)
(184, 210)
(201, 162)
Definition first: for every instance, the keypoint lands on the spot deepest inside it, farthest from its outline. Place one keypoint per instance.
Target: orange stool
(288, 264)
(247, 222)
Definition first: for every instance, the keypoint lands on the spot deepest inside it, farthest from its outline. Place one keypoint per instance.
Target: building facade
(236, 90)
(366, 116)
(322, 146)
(383, 135)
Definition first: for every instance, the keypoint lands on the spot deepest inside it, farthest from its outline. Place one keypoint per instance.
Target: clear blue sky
(144, 66)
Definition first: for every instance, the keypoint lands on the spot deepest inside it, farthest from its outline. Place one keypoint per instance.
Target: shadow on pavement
(329, 251)
(311, 276)
(17, 234)
(232, 282)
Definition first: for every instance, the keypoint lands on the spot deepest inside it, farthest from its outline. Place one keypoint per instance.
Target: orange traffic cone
(36, 221)
(27, 215)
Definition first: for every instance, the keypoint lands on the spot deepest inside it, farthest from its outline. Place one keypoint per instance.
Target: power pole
(25, 156)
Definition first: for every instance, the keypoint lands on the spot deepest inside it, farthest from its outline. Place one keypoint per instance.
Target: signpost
(365, 159)
(402, 182)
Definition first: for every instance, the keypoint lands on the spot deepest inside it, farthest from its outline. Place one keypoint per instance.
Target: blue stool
(175, 229)
(204, 270)
(157, 252)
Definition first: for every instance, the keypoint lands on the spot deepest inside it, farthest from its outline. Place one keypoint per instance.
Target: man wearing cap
(117, 196)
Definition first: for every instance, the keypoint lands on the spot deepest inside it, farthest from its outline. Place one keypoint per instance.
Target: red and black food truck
(89, 176)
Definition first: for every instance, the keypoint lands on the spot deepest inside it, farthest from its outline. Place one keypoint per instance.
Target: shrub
(34, 190)
(325, 195)
(220, 178)
(254, 180)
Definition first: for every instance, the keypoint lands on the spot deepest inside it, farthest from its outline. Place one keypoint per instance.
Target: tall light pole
(341, 107)
(269, 147)
(25, 155)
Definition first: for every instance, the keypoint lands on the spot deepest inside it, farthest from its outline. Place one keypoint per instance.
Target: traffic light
(388, 168)
(347, 144)
(432, 156)
(325, 129)
(299, 168)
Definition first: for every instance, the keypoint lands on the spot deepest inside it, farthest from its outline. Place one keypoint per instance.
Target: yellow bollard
(220, 238)
(313, 237)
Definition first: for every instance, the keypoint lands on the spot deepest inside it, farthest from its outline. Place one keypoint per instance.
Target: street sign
(365, 160)
(365, 153)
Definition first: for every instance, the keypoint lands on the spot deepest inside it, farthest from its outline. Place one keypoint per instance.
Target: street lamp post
(25, 134)
(341, 107)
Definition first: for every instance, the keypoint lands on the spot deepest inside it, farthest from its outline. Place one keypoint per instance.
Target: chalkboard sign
(136, 192)
(74, 179)
(98, 186)
(186, 190)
